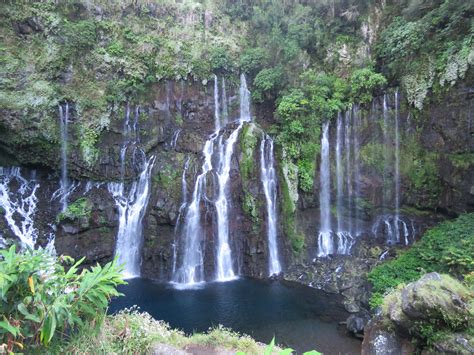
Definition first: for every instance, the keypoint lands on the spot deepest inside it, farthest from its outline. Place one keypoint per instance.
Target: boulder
(379, 340)
(436, 296)
(458, 343)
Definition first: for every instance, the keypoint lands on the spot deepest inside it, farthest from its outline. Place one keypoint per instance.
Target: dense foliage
(428, 44)
(447, 248)
(44, 297)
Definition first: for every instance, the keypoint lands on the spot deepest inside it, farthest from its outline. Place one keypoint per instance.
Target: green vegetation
(447, 248)
(79, 209)
(44, 297)
(365, 83)
(288, 207)
(248, 170)
(428, 44)
(133, 332)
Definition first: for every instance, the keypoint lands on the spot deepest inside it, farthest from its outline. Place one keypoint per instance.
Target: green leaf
(269, 348)
(5, 324)
(22, 308)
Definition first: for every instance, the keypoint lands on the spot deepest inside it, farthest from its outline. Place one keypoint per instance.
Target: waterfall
(191, 270)
(339, 174)
(174, 138)
(325, 243)
(191, 263)
(356, 176)
(217, 119)
(347, 144)
(132, 204)
(20, 206)
(269, 182)
(131, 207)
(386, 141)
(184, 199)
(390, 224)
(126, 134)
(225, 110)
(344, 237)
(397, 170)
(64, 183)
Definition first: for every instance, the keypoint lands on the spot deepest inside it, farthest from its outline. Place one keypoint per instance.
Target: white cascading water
(19, 206)
(191, 264)
(325, 242)
(397, 169)
(386, 142)
(64, 182)
(191, 270)
(224, 267)
(269, 182)
(344, 237)
(217, 116)
(348, 173)
(225, 110)
(392, 226)
(184, 199)
(126, 135)
(356, 176)
(131, 207)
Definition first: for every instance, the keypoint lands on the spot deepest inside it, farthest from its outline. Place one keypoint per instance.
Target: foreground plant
(42, 298)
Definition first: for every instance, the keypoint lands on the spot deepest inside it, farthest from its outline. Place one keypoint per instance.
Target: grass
(446, 248)
(133, 332)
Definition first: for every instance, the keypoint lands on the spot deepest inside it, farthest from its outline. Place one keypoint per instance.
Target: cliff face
(173, 123)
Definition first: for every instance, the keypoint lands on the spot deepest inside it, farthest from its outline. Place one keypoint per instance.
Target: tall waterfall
(224, 267)
(356, 177)
(19, 206)
(395, 228)
(191, 263)
(131, 207)
(397, 168)
(325, 242)
(344, 237)
(132, 204)
(64, 182)
(348, 148)
(269, 182)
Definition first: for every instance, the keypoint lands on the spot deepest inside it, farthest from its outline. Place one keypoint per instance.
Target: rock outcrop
(434, 312)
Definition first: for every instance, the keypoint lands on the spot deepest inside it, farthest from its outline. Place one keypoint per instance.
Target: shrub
(40, 298)
(449, 247)
(253, 60)
(81, 208)
(267, 82)
(365, 83)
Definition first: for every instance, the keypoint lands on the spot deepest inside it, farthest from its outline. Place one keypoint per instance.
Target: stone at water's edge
(165, 349)
(380, 341)
(433, 299)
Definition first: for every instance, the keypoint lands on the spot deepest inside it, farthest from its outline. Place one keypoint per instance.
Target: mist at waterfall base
(299, 317)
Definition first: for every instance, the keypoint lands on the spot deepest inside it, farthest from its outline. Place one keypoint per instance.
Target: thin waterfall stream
(269, 182)
(325, 242)
(64, 182)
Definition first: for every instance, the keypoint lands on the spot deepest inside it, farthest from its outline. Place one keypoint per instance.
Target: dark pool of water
(299, 317)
